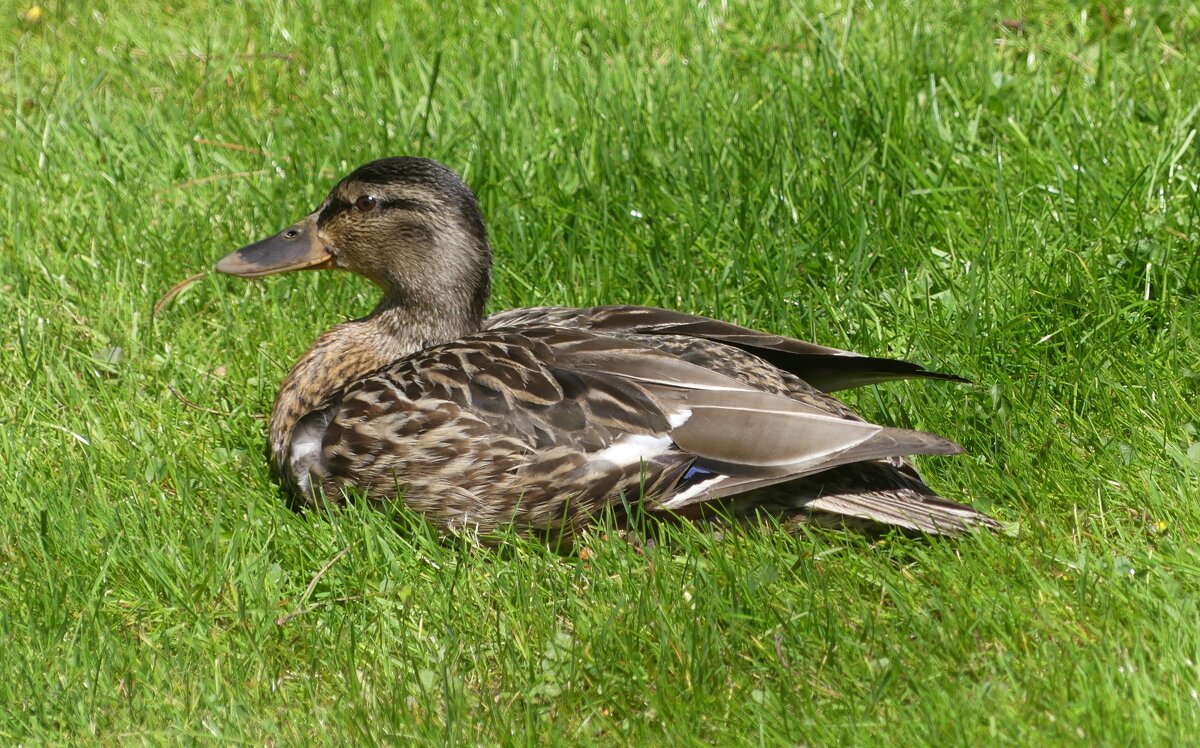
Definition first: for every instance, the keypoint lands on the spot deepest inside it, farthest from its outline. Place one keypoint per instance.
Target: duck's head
(409, 224)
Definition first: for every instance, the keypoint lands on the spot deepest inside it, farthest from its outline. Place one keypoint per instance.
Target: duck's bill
(295, 248)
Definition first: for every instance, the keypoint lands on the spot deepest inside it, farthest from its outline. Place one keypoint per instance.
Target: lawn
(1009, 194)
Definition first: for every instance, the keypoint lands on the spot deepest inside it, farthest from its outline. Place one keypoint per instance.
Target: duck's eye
(365, 203)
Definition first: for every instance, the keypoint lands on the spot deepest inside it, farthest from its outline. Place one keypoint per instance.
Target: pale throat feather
(351, 350)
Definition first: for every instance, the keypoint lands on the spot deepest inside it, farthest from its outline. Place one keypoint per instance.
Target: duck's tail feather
(867, 495)
(901, 508)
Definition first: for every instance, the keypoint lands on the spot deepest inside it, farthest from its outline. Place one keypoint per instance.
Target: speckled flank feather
(541, 418)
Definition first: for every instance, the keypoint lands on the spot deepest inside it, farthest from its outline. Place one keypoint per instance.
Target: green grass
(1014, 202)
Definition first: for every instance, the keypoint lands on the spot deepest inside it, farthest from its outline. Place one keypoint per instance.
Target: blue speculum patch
(694, 473)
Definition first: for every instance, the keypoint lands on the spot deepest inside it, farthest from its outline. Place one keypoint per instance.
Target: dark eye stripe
(400, 203)
(337, 206)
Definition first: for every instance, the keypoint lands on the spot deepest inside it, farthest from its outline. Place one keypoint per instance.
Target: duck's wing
(727, 424)
(827, 369)
(745, 441)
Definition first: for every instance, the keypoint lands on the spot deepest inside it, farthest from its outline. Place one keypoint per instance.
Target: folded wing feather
(827, 369)
(749, 437)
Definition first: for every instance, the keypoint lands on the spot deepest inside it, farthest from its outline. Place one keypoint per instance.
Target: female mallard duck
(542, 418)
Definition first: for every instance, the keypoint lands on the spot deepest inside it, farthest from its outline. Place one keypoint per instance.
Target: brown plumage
(542, 418)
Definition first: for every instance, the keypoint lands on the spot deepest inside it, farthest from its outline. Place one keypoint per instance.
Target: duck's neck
(353, 349)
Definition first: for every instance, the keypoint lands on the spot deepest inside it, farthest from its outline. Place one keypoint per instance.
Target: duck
(541, 420)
